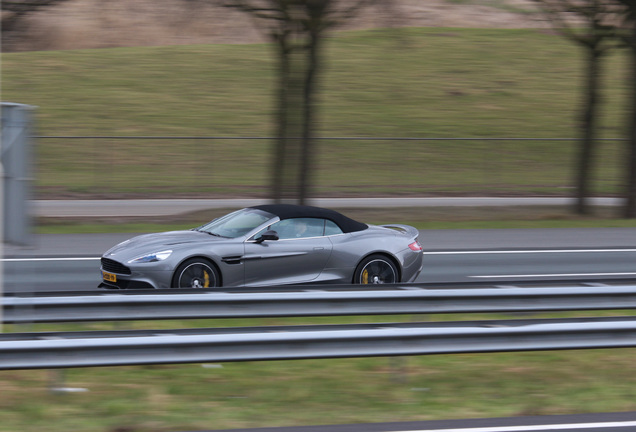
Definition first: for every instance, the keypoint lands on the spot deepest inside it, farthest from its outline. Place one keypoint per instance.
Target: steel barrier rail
(88, 349)
(342, 138)
(399, 299)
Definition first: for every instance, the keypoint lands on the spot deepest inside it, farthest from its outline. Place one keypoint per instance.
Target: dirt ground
(78, 24)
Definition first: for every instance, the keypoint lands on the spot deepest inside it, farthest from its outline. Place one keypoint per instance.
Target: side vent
(232, 259)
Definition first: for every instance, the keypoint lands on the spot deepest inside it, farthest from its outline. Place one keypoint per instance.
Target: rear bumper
(413, 265)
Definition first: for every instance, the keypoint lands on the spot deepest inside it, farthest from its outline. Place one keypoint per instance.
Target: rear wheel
(196, 273)
(375, 269)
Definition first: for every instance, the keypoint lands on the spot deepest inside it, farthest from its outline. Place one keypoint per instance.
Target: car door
(298, 256)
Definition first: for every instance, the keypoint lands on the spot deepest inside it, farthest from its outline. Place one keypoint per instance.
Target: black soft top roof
(290, 211)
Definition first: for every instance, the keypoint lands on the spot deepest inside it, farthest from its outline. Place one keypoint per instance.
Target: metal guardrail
(313, 301)
(86, 349)
(111, 348)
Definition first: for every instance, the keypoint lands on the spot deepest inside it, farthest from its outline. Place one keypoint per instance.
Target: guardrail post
(57, 379)
(399, 370)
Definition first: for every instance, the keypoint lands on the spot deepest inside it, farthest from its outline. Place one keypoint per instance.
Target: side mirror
(267, 235)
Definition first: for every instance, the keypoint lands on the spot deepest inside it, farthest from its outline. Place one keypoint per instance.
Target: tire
(376, 269)
(196, 273)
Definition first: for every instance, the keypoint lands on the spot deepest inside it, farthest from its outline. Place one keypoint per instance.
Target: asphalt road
(71, 262)
(600, 422)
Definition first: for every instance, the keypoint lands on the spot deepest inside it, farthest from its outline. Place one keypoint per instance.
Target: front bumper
(116, 275)
(125, 284)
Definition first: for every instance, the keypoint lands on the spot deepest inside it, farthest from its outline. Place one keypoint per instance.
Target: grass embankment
(439, 83)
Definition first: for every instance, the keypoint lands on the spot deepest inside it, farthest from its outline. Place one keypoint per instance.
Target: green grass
(420, 217)
(440, 83)
(311, 392)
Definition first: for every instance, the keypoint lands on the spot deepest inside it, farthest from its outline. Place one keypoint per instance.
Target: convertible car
(266, 245)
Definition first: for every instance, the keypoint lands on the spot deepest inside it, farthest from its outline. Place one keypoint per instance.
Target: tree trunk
(585, 167)
(280, 140)
(306, 163)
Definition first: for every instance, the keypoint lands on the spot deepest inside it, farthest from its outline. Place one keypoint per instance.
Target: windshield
(236, 224)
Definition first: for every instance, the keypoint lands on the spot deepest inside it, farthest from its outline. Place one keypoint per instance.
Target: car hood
(157, 241)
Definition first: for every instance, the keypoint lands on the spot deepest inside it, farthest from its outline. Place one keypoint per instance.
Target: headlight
(152, 257)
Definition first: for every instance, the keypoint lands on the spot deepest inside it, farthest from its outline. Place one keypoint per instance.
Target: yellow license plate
(109, 277)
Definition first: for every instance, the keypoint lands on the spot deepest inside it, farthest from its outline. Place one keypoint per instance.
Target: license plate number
(109, 277)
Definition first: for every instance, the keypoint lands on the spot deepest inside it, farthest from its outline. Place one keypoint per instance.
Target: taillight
(415, 246)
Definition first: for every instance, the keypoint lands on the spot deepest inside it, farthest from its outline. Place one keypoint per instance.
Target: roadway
(599, 422)
(71, 262)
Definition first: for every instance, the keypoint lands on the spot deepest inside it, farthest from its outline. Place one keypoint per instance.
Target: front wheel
(196, 273)
(375, 269)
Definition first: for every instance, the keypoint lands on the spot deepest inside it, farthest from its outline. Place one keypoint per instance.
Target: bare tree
(592, 24)
(297, 28)
(629, 37)
(13, 11)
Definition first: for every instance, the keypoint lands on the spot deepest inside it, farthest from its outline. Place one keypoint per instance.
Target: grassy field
(432, 83)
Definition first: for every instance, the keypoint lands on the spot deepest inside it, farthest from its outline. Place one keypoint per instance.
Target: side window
(331, 228)
(299, 228)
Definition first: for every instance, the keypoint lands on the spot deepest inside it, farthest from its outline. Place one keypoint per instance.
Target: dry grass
(118, 23)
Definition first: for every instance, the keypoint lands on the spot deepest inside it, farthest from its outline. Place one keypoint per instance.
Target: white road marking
(553, 275)
(537, 427)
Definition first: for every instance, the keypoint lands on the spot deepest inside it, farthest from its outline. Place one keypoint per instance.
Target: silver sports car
(267, 245)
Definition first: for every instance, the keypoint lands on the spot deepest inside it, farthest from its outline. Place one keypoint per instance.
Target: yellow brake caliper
(365, 277)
